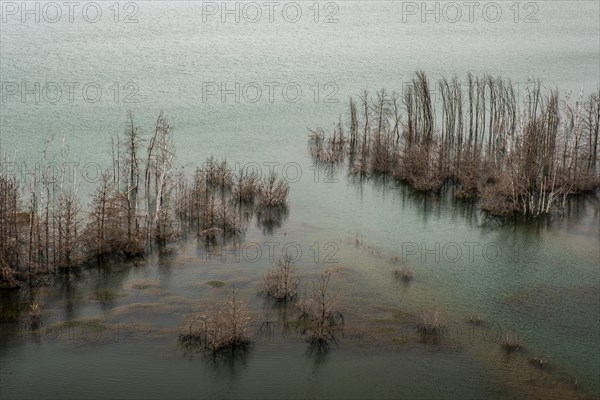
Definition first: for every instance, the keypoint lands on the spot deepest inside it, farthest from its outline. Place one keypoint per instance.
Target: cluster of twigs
(404, 273)
(510, 343)
(431, 323)
(34, 316)
(281, 284)
(273, 192)
(319, 320)
(474, 319)
(219, 329)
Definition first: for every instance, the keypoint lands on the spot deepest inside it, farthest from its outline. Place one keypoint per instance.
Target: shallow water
(539, 279)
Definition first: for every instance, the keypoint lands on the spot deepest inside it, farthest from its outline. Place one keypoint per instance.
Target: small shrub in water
(34, 316)
(403, 273)
(245, 188)
(539, 362)
(473, 319)
(431, 323)
(219, 329)
(273, 192)
(319, 320)
(282, 283)
(510, 343)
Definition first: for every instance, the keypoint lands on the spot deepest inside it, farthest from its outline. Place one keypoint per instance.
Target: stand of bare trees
(516, 159)
(216, 204)
(207, 204)
(10, 224)
(140, 203)
(39, 222)
(130, 209)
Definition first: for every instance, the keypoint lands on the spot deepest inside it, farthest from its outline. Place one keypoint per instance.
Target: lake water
(540, 280)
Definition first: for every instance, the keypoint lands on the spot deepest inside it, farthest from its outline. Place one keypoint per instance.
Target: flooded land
(324, 200)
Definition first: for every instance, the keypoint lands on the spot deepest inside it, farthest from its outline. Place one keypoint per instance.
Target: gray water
(544, 284)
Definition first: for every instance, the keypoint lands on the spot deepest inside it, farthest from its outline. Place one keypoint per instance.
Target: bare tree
(219, 329)
(281, 283)
(319, 320)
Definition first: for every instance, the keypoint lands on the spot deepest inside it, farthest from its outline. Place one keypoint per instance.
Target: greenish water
(538, 279)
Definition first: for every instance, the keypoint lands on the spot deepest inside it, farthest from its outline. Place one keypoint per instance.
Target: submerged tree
(281, 284)
(131, 189)
(273, 192)
(223, 328)
(159, 182)
(320, 321)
